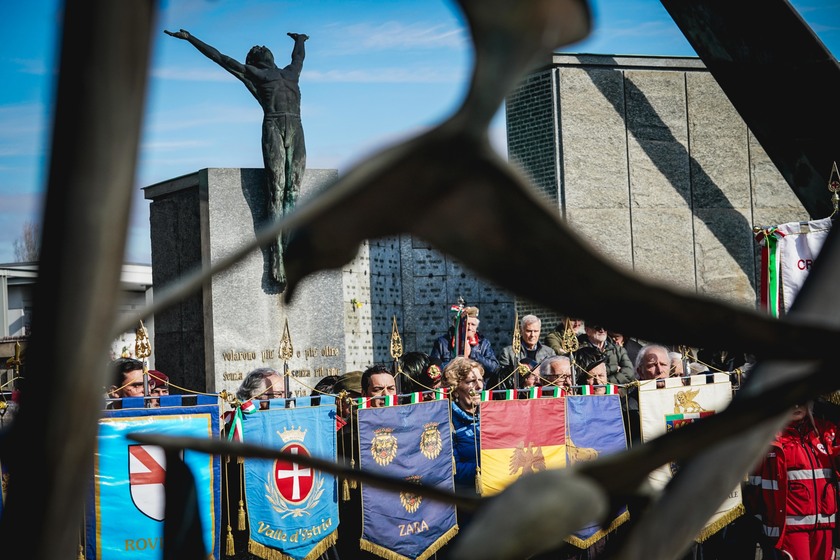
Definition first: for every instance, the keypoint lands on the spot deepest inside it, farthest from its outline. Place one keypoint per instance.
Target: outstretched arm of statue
(231, 65)
(298, 51)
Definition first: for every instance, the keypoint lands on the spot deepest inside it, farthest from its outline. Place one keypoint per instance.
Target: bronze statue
(284, 152)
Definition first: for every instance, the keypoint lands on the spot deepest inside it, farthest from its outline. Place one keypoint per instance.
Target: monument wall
(647, 159)
(213, 339)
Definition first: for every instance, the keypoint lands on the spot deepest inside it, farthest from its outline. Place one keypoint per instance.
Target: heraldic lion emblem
(430, 442)
(383, 447)
(409, 500)
(684, 402)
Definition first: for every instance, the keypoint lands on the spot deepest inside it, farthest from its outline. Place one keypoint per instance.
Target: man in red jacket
(795, 489)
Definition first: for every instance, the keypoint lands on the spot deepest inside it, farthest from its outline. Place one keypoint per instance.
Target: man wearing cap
(161, 387)
(475, 347)
(530, 348)
(591, 370)
(619, 366)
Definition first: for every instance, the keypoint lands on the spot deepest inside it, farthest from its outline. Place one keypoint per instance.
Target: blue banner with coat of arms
(594, 428)
(125, 512)
(413, 442)
(292, 509)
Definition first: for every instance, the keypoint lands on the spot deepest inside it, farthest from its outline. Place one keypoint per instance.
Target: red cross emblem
(294, 482)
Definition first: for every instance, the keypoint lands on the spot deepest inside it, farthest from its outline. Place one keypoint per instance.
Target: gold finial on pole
(396, 353)
(142, 346)
(286, 353)
(396, 344)
(569, 341)
(142, 350)
(16, 361)
(834, 186)
(517, 336)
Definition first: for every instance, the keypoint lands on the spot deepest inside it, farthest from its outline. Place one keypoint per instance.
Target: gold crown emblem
(295, 434)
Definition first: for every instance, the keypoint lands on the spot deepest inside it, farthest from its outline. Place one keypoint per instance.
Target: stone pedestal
(211, 340)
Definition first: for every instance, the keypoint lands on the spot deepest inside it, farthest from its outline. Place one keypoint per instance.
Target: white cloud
(394, 35)
(384, 75)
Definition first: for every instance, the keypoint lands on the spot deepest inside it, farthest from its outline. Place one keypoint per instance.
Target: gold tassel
(241, 525)
(345, 491)
(478, 480)
(81, 552)
(353, 483)
(240, 460)
(229, 551)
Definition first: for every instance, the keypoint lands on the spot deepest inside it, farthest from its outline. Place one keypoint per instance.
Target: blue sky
(375, 71)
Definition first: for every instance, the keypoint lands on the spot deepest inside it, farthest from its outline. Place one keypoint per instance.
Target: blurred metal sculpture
(437, 175)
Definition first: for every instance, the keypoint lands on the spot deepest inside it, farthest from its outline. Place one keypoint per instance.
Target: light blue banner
(126, 510)
(291, 508)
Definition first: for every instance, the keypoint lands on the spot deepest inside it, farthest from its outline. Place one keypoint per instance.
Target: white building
(17, 292)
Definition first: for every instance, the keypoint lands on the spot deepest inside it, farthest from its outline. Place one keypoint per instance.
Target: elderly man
(530, 348)
(556, 371)
(653, 362)
(262, 384)
(377, 383)
(475, 346)
(619, 366)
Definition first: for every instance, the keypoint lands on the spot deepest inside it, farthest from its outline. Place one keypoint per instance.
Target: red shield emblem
(146, 474)
(294, 482)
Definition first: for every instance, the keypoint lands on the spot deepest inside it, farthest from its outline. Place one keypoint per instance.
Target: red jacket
(795, 487)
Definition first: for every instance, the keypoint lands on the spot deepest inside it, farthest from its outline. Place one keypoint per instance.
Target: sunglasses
(596, 328)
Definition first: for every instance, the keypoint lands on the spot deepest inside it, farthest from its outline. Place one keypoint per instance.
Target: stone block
(719, 147)
(607, 230)
(592, 122)
(725, 250)
(662, 247)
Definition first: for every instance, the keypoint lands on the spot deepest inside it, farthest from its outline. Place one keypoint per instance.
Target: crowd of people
(791, 498)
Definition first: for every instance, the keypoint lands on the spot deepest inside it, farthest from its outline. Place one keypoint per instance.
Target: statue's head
(259, 56)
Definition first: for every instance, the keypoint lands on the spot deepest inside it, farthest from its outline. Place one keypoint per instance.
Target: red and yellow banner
(519, 437)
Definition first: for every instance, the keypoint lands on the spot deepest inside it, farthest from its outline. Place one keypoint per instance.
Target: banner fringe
(345, 491)
(374, 548)
(267, 553)
(720, 523)
(438, 544)
(601, 533)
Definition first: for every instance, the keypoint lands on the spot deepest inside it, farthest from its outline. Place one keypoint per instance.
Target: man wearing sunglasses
(619, 366)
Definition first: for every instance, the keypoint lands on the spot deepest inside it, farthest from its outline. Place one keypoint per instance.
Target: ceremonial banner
(125, 513)
(674, 406)
(594, 428)
(292, 509)
(413, 442)
(788, 251)
(520, 437)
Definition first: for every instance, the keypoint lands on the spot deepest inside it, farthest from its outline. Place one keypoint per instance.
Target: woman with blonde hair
(465, 379)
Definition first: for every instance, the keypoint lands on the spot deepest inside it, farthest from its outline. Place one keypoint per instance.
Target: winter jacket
(508, 362)
(795, 487)
(466, 434)
(619, 367)
(481, 352)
